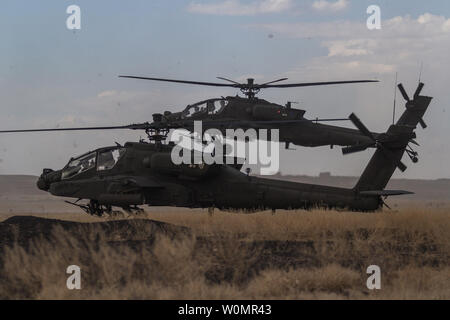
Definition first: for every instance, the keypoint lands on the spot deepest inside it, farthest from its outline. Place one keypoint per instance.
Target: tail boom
(393, 145)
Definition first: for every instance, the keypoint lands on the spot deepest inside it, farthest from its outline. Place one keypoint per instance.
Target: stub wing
(385, 193)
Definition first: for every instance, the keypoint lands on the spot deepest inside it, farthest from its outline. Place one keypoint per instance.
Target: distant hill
(19, 185)
(20, 195)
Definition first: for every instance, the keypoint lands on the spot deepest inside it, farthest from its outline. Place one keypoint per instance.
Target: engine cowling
(272, 112)
(162, 163)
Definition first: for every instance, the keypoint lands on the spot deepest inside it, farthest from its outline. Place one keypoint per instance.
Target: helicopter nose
(41, 184)
(47, 177)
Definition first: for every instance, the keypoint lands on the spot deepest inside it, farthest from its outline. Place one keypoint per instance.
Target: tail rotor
(410, 103)
(400, 135)
(380, 142)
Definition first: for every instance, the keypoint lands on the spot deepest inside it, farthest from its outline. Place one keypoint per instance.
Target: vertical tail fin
(392, 145)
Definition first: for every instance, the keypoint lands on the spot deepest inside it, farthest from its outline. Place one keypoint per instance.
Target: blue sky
(51, 76)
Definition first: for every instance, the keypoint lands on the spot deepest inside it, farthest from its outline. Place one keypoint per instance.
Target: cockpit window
(205, 107)
(107, 159)
(219, 105)
(79, 165)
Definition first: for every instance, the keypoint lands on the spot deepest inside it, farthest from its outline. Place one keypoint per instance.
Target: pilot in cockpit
(210, 107)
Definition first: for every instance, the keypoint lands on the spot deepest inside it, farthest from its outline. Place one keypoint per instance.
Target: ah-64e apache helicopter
(251, 112)
(248, 113)
(142, 173)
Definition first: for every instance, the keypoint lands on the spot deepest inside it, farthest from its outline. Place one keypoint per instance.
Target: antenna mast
(420, 73)
(395, 98)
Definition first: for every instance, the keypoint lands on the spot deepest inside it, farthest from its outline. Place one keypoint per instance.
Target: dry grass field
(187, 254)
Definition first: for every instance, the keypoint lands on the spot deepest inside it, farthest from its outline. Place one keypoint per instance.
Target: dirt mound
(224, 249)
(143, 258)
(24, 229)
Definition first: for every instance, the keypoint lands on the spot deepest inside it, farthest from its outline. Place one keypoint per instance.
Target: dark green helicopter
(251, 112)
(142, 173)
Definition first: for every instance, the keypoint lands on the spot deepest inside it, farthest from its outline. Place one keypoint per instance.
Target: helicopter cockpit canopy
(79, 165)
(102, 159)
(205, 107)
(107, 159)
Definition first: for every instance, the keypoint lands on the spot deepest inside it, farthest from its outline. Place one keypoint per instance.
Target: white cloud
(354, 52)
(107, 93)
(357, 47)
(323, 5)
(238, 8)
(425, 26)
(402, 41)
(67, 120)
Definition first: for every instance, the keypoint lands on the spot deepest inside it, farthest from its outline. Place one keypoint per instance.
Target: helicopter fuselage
(144, 175)
(243, 113)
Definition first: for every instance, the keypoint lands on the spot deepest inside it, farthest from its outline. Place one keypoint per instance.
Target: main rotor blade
(282, 79)
(250, 123)
(214, 84)
(403, 92)
(310, 84)
(298, 121)
(361, 126)
(243, 84)
(142, 126)
(235, 84)
(221, 78)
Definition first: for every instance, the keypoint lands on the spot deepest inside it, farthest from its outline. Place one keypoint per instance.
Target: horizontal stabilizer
(385, 193)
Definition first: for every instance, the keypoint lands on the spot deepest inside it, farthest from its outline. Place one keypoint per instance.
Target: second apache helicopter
(141, 173)
(248, 113)
(251, 112)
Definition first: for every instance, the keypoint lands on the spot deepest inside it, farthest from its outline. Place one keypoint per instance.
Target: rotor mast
(250, 91)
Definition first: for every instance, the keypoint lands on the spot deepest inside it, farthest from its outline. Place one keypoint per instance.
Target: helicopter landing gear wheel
(96, 209)
(93, 207)
(134, 210)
